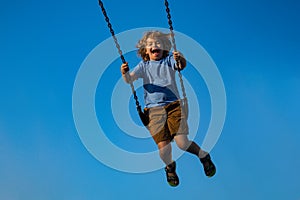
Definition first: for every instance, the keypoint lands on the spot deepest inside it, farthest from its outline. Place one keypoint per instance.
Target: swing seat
(143, 115)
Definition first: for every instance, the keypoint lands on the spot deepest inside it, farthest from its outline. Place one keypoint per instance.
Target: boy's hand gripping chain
(142, 115)
(178, 63)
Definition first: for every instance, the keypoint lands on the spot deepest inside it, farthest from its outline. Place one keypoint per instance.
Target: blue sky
(255, 45)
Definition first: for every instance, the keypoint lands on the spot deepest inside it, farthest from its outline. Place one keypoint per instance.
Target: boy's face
(154, 48)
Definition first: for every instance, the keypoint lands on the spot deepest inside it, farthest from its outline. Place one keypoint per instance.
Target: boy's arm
(127, 76)
(180, 58)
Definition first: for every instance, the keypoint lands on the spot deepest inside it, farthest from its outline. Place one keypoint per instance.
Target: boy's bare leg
(165, 152)
(185, 144)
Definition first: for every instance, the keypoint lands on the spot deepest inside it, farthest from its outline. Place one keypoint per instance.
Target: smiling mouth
(155, 51)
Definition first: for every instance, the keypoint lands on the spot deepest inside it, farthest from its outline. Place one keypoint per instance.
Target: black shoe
(208, 165)
(172, 177)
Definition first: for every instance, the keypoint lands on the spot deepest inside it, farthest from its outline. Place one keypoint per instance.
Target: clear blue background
(255, 45)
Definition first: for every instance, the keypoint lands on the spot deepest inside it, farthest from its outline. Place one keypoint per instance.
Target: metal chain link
(170, 24)
(138, 106)
(174, 47)
(112, 31)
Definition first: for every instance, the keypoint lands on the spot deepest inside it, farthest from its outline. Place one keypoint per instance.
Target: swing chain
(112, 31)
(142, 115)
(177, 62)
(170, 24)
(174, 43)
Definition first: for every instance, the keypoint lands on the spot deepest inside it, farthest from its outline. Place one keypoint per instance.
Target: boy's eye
(149, 44)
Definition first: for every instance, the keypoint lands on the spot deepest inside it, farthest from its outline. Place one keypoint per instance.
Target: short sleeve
(138, 71)
(172, 62)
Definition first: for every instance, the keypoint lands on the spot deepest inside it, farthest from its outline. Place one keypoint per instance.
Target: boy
(162, 101)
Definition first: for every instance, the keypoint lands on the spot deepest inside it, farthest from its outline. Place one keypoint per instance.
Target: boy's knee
(182, 140)
(183, 144)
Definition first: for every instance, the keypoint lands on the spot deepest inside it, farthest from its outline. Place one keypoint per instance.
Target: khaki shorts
(165, 122)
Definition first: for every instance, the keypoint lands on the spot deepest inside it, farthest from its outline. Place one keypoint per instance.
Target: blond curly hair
(164, 39)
